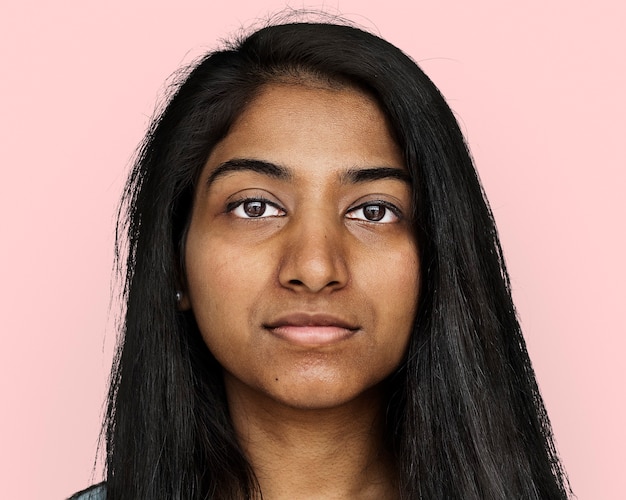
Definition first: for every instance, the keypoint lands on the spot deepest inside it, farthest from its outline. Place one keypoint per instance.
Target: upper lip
(308, 319)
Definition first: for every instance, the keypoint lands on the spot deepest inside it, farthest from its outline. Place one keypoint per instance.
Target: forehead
(300, 124)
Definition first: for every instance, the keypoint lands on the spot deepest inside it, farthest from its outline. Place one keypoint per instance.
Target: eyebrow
(353, 175)
(245, 164)
(369, 174)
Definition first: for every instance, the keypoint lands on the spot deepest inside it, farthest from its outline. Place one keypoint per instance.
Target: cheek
(213, 281)
(400, 285)
(213, 298)
(219, 271)
(396, 281)
(389, 282)
(224, 282)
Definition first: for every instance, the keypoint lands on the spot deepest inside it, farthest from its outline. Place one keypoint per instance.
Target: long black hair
(465, 419)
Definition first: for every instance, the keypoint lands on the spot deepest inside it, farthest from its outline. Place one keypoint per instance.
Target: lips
(312, 329)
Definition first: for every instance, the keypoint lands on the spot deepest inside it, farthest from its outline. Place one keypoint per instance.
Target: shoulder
(95, 492)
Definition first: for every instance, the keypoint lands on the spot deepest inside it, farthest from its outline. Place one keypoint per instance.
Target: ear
(182, 301)
(182, 297)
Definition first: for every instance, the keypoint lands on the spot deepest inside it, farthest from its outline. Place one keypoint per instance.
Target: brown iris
(374, 212)
(254, 208)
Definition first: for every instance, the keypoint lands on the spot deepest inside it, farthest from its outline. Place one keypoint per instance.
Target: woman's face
(301, 267)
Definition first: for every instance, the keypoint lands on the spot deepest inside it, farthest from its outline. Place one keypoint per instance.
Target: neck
(334, 452)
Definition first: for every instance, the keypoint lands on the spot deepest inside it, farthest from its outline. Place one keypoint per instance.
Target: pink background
(538, 87)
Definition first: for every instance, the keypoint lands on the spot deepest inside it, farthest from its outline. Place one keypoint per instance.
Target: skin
(302, 273)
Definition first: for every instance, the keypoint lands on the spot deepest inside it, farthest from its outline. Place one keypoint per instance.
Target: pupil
(374, 212)
(254, 208)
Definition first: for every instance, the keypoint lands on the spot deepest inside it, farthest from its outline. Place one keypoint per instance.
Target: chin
(314, 400)
(324, 394)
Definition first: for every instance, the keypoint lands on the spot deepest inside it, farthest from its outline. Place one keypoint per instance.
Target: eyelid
(389, 206)
(233, 205)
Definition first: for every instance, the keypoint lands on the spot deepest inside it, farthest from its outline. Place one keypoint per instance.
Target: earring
(179, 296)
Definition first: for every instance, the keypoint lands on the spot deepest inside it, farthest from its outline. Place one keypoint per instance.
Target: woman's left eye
(374, 212)
(255, 209)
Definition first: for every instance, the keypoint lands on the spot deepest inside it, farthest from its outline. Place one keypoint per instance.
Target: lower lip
(312, 336)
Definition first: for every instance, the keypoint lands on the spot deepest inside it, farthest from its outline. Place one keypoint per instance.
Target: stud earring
(179, 296)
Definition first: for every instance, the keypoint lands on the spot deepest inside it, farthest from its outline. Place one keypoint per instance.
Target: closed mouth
(311, 330)
(311, 320)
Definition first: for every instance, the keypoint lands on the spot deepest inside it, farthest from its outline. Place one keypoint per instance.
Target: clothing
(96, 492)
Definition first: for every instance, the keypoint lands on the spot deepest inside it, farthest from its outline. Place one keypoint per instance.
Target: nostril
(299, 283)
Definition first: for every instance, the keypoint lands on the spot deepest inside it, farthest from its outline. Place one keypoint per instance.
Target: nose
(314, 255)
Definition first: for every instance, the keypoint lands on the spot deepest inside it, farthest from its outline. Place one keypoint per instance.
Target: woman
(317, 305)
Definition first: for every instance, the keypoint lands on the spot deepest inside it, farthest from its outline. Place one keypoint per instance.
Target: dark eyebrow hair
(350, 176)
(358, 175)
(241, 164)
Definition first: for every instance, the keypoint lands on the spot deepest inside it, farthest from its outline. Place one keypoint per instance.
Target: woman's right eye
(255, 208)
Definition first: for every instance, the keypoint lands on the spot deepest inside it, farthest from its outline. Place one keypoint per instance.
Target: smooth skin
(302, 273)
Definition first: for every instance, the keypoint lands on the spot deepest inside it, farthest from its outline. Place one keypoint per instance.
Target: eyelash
(234, 205)
(379, 203)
